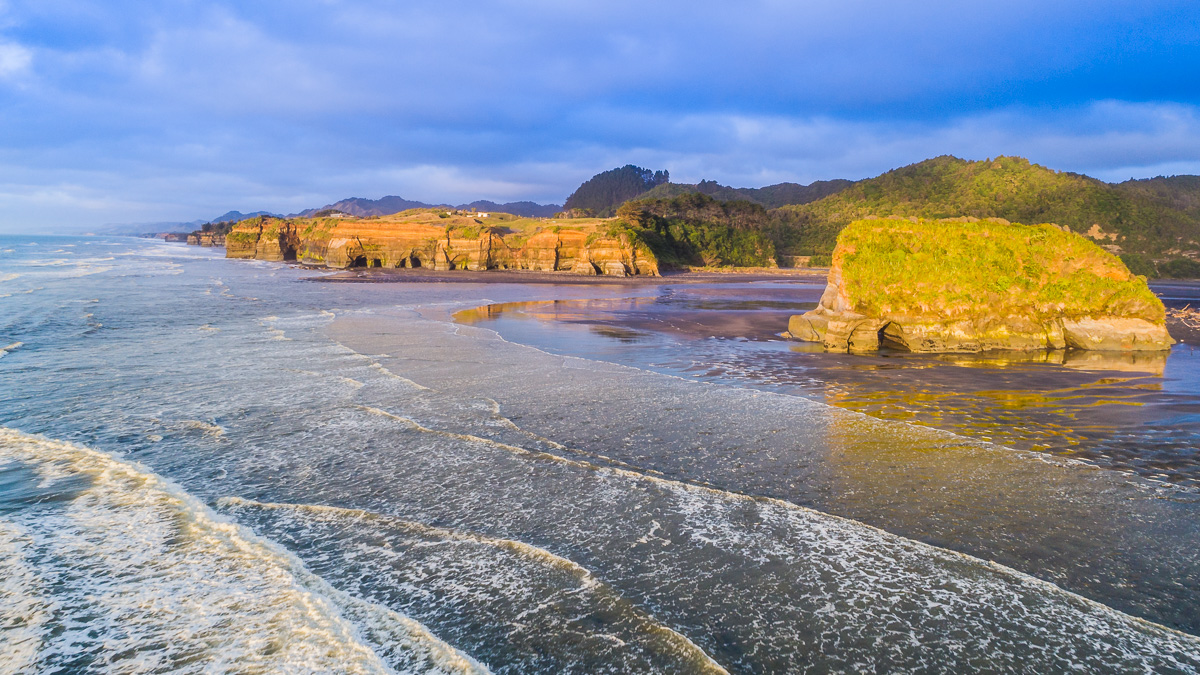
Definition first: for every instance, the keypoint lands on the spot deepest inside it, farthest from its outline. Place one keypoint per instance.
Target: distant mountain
(526, 209)
(603, 193)
(1158, 216)
(385, 206)
(771, 196)
(235, 216)
(357, 206)
(147, 229)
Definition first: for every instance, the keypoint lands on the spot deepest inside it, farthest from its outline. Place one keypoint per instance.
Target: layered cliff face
(965, 285)
(428, 239)
(206, 239)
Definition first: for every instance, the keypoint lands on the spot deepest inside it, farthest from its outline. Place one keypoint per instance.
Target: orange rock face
(441, 243)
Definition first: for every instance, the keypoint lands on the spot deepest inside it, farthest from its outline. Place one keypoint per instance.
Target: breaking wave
(106, 566)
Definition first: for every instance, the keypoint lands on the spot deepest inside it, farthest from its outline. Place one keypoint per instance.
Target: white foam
(600, 595)
(864, 567)
(23, 609)
(144, 563)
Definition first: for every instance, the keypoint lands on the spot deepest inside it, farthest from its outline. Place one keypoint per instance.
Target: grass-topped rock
(967, 285)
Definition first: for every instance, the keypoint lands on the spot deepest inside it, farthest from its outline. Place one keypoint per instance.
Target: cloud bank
(139, 111)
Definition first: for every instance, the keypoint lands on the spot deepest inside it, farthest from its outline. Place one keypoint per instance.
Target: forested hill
(1179, 192)
(1158, 217)
(603, 193)
(771, 196)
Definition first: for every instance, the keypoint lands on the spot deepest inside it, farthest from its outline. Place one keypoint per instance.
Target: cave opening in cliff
(891, 337)
(415, 262)
(359, 261)
(376, 262)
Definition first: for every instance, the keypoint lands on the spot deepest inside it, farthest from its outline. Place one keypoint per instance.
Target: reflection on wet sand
(1056, 520)
(1152, 363)
(1059, 419)
(735, 313)
(1094, 532)
(1134, 412)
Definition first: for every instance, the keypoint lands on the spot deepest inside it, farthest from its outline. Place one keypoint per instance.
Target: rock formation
(441, 241)
(206, 239)
(963, 285)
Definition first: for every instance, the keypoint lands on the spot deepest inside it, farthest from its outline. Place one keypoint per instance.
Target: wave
(843, 575)
(534, 597)
(108, 566)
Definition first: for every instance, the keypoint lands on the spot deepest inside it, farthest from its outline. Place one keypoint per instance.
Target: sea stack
(968, 285)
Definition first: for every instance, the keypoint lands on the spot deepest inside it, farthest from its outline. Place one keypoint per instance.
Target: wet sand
(421, 275)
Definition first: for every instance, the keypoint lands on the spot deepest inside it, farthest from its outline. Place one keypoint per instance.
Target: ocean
(212, 465)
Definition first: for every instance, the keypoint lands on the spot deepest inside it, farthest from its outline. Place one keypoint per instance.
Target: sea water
(210, 465)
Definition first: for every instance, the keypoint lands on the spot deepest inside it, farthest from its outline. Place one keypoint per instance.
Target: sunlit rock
(962, 285)
(443, 241)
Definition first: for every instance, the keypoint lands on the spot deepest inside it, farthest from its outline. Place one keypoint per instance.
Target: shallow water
(240, 470)
(1131, 412)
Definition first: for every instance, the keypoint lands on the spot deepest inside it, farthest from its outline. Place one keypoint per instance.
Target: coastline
(494, 492)
(1180, 331)
(422, 275)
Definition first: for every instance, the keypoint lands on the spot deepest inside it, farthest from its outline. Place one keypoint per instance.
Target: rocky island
(446, 240)
(969, 285)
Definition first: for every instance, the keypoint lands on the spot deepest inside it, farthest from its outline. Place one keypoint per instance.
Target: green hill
(603, 193)
(696, 229)
(1179, 192)
(1154, 224)
(771, 196)
(1158, 217)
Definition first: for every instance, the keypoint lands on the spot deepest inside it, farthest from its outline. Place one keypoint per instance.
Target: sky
(132, 111)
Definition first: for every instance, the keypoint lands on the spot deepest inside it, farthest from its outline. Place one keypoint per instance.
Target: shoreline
(1178, 330)
(420, 275)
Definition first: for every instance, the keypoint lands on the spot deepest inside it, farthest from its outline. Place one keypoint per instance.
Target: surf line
(528, 551)
(329, 605)
(796, 508)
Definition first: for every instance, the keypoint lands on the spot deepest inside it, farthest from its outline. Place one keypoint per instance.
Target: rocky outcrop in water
(442, 241)
(962, 285)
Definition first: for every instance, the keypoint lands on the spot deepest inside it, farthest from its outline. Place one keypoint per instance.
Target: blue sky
(138, 111)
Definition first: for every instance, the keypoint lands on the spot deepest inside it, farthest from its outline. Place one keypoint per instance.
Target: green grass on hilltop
(1007, 187)
(972, 270)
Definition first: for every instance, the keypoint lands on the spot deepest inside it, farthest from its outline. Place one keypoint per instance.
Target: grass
(971, 270)
(1006, 187)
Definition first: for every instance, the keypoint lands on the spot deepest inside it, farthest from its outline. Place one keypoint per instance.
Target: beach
(404, 490)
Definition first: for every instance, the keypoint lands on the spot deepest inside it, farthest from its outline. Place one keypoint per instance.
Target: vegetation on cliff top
(771, 196)
(1146, 217)
(955, 269)
(695, 229)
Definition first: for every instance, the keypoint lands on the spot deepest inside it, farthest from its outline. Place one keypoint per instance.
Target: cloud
(185, 110)
(14, 60)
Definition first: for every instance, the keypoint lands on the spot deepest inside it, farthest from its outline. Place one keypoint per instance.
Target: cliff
(443, 241)
(966, 285)
(206, 239)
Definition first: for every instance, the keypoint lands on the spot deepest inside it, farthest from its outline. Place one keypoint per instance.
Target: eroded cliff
(440, 241)
(966, 285)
